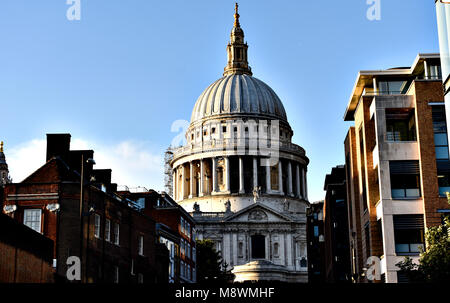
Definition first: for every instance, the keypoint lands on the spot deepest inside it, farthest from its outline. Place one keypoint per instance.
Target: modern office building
(242, 177)
(397, 160)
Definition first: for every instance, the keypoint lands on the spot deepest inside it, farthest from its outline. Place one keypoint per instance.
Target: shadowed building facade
(241, 177)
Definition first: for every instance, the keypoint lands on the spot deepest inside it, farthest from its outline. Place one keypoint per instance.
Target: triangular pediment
(258, 213)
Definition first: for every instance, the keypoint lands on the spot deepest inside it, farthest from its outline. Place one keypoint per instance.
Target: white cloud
(133, 163)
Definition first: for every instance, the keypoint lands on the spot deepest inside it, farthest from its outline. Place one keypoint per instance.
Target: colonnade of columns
(201, 177)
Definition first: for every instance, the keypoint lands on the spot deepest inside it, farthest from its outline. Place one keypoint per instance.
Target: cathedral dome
(238, 94)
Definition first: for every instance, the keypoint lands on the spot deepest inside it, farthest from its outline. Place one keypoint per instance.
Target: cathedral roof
(238, 93)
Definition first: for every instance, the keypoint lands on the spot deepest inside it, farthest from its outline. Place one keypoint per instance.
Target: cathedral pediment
(258, 213)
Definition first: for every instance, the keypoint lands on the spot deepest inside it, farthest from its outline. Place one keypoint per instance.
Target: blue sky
(118, 78)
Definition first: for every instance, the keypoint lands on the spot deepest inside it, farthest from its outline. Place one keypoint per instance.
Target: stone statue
(228, 206)
(286, 205)
(196, 207)
(256, 191)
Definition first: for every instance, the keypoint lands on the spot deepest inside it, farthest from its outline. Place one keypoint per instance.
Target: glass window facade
(405, 179)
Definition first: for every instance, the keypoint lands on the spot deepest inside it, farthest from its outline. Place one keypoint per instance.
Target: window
(182, 225)
(141, 245)
(194, 257)
(132, 267)
(116, 274)
(367, 238)
(400, 125)
(189, 230)
(402, 277)
(32, 219)
(224, 129)
(182, 247)
(316, 230)
(188, 250)
(213, 130)
(140, 278)
(141, 202)
(241, 249)
(440, 132)
(189, 272)
(194, 275)
(258, 247)
(108, 230)
(182, 269)
(443, 174)
(408, 234)
(405, 179)
(392, 87)
(434, 71)
(97, 226)
(116, 233)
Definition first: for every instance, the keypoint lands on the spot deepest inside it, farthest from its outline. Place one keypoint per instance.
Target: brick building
(398, 168)
(113, 238)
(25, 255)
(175, 229)
(316, 243)
(337, 253)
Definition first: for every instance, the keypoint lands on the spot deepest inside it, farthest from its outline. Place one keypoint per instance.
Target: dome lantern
(237, 50)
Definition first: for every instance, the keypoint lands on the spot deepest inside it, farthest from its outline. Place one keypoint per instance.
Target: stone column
(280, 177)
(191, 180)
(303, 183)
(202, 177)
(268, 182)
(214, 175)
(174, 189)
(255, 171)
(183, 177)
(227, 172)
(290, 179)
(241, 176)
(306, 187)
(297, 180)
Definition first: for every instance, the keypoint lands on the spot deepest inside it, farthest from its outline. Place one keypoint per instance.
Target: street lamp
(83, 162)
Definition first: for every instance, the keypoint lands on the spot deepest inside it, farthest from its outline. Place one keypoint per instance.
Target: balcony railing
(238, 144)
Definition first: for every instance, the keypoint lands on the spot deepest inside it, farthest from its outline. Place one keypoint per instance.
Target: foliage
(210, 265)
